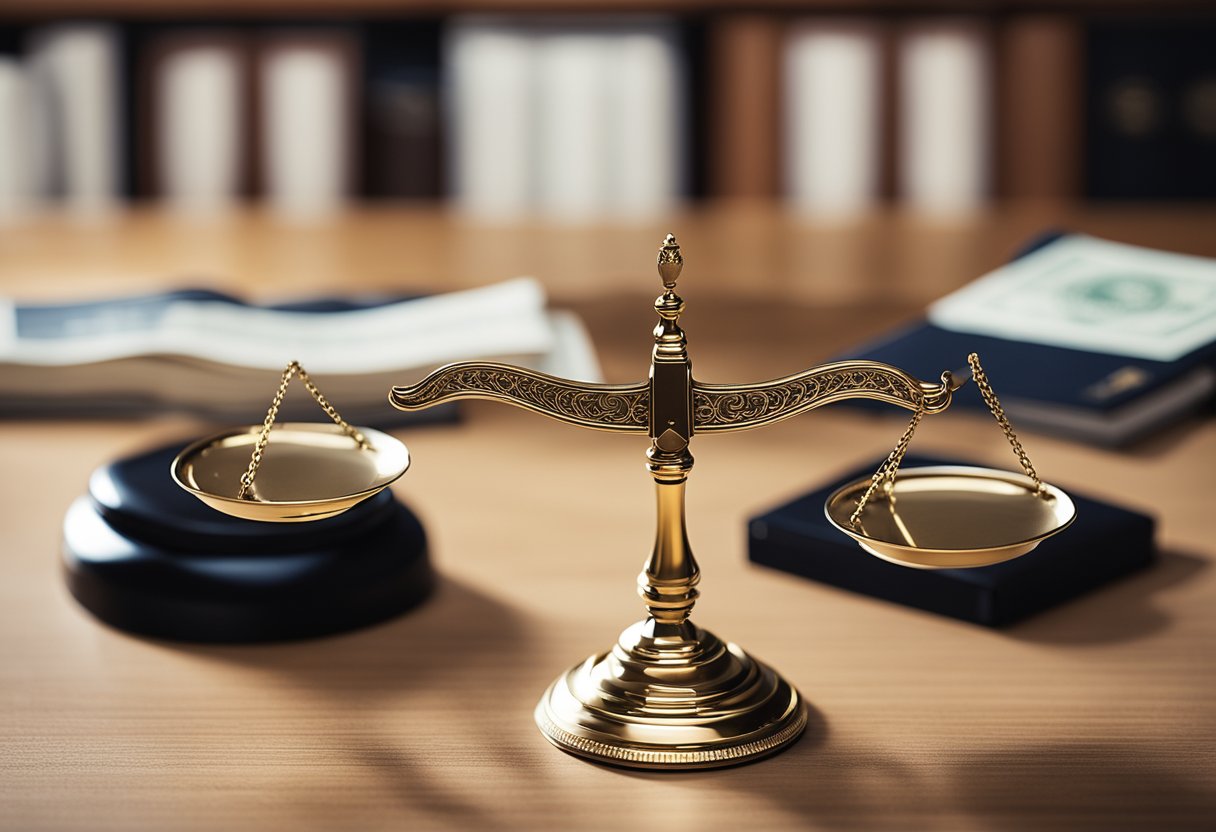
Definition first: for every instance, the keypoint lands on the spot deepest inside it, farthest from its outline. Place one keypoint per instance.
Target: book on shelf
(487, 72)
(648, 108)
(833, 108)
(1150, 117)
(872, 108)
(75, 73)
(574, 121)
(1039, 106)
(1093, 340)
(573, 68)
(743, 142)
(403, 141)
(216, 356)
(944, 130)
(194, 115)
(307, 88)
(16, 197)
(226, 112)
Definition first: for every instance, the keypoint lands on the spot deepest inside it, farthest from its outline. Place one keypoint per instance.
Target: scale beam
(719, 408)
(671, 406)
(623, 408)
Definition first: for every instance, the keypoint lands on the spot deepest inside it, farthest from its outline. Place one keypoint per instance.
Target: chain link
(885, 475)
(998, 413)
(259, 449)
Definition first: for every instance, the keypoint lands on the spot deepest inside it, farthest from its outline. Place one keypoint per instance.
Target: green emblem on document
(1116, 296)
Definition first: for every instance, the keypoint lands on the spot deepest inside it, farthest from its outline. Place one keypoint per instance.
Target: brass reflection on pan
(942, 517)
(311, 471)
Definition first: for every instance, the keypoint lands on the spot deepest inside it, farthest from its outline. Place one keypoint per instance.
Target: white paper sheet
(1090, 294)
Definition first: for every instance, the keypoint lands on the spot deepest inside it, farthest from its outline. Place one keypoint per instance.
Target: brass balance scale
(669, 694)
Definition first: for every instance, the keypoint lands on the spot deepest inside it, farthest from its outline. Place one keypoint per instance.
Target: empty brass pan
(951, 517)
(311, 471)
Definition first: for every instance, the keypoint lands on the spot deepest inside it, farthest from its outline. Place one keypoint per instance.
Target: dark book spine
(402, 112)
(1039, 107)
(744, 118)
(1151, 109)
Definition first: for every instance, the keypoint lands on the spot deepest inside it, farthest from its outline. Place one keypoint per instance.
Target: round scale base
(671, 697)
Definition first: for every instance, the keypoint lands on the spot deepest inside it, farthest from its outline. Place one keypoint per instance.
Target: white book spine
(645, 128)
(306, 136)
(489, 102)
(15, 196)
(573, 125)
(833, 126)
(43, 162)
(79, 68)
(944, 118)
(199, 129)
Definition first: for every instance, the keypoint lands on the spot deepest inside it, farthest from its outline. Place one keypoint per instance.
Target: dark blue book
(1096, 397)
(1145, 135)
(1104, 543)
(1101, 399)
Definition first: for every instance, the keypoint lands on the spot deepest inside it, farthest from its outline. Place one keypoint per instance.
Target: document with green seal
(1084, 293)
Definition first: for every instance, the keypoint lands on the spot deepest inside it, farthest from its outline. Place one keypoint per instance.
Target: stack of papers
(218, 357)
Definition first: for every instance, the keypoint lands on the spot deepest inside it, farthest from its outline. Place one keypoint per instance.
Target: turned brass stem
(668, 582)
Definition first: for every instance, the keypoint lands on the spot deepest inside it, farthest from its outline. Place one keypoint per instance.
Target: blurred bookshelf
(159, 8)
(575, 112)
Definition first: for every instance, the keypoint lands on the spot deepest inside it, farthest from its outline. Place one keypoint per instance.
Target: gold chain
(998, 413)
(885, 475)
(259, 449)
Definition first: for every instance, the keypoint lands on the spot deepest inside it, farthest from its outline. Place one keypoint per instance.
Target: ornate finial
(671, 262)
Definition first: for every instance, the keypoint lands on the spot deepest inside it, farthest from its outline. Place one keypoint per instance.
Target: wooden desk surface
(1098, 715)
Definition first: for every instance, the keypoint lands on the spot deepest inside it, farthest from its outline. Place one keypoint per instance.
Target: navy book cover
(1102, 399)
(1104, 543)
(1094, 397)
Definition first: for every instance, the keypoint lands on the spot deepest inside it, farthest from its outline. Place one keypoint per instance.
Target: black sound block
(145, 556)
(1105, 542)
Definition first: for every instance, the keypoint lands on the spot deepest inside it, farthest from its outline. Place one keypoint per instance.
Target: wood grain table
(1097, 715)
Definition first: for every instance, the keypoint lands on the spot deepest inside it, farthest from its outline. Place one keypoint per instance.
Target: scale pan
(310, 471)
(952, 516)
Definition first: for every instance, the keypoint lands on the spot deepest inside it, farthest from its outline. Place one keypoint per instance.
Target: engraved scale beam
(727, 407)
(612, 407)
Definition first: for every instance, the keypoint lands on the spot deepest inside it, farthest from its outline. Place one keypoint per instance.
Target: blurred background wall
(578, 111)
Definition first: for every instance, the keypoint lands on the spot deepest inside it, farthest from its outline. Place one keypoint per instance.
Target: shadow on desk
(834, 784)
(1126, 610)
(1099, 786)
(454, 642)
(433, 762)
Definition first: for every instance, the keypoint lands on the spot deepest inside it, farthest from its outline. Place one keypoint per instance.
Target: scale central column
(670, 695)
(668, 583)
